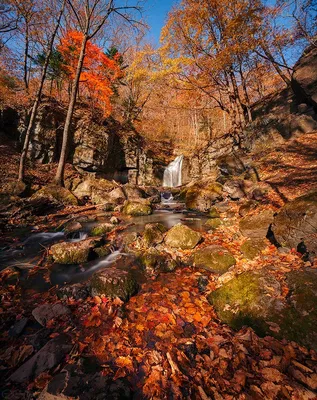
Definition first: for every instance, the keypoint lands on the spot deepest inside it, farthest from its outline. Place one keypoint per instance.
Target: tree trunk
(237, 99)
(59, 177)
(38, 98)
(26, 54)
(246, 94)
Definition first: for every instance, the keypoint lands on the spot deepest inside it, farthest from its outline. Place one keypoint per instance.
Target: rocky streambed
(145, 299)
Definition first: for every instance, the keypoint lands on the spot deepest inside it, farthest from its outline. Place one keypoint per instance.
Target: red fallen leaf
(54, 335)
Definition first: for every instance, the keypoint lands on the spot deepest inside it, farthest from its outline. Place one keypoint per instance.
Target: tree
(90, 16)
(38, 95)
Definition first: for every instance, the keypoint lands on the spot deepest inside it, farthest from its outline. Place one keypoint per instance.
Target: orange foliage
(99, 71)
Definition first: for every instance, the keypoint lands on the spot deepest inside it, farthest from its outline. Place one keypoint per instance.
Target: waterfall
(173, 173)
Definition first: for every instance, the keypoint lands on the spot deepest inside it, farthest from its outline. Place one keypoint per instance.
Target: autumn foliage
(99, 71)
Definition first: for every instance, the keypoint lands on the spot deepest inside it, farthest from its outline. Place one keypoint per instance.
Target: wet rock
(247, 207)
(256, 226)
(46, 312)
(76, 291)
(18, 327)
(182, 237)
(203, 195)
(74, 253)
(153, 234)
(103, 251)
(252, 248)
(213, 223)
(213, 213)
(137, 208)
(56, 193)
(295, 226)
(255, 299)
(102, 229)
(216, 259)
(45, 359)
(73, 226)
(202, 283)
(113, 283)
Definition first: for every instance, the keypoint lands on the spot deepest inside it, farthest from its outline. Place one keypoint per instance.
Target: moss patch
(136, 209)
(252, 248)
(216, 259)
(182, 237)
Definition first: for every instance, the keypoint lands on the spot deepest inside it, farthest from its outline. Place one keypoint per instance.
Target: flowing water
(173, 173)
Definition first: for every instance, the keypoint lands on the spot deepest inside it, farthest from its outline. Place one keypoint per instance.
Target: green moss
(102, 229)
(251, 248)
(214, 258)
(153, 234)
(181, 236)
(213, 213)
(58, 193)
(102, 251)
(213, 223)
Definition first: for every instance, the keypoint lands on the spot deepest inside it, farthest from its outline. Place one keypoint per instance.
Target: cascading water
(173, 173)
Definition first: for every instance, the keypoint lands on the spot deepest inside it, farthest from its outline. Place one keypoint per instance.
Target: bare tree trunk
(26, 54)
(38, 98)
(59, 177)
(246, 94)
(237, 99)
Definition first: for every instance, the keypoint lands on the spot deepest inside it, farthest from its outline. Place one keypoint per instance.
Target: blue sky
(155, 12)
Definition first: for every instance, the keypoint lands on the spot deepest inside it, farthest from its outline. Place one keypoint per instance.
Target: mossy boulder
(14, 188)
(56, 193)
(102, 229)
(113, 283)
(216, 259)
(137, 208)
(213, 213)
(213, 223)
(257, 225)
(255, 299)
(74, 252)
(182, 237)
(203, 195)
(153, 234)
(153, 261)
(102, 251)
(251, 248)
(114, 197)
(295, 226)
(90, 186)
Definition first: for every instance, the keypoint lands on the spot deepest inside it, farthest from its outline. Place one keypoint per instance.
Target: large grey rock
(45, 359)
(296, 224)
(182, 237)
(74, 253)
(46, 312)
(257, 225)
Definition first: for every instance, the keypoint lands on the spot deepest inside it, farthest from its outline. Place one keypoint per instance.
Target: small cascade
(173, 173)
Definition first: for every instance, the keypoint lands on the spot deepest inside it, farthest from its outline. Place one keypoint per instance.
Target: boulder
(247, 207)
(255, 299)
(252, 248)
(230, 165)
(304, 78)
(236, 189)
(90, 187)
(203, 195)
(102, 229)
(113, 283)
(137, 208)
(153, 234)
(153, 262)
(213, 223)
(257, 225)
(133, 192)
(74, 253)
(295, 226)
(73, 226)
(213, 213)
(55, 193)
(115, 196)
(182, 237)
(14, 188)
(216, 259)
(46, 312)
(45, 359)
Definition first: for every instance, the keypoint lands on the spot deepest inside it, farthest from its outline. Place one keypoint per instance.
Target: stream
(25, 254)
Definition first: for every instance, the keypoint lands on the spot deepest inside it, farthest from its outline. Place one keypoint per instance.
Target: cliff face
(276, 119)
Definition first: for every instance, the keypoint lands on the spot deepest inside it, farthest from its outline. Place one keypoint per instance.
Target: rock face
(73, 253)
(182, 237)
(256, 226)
(304, 79)
(295, 226)
(216, 259)
(113, 283)
(255, 299)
